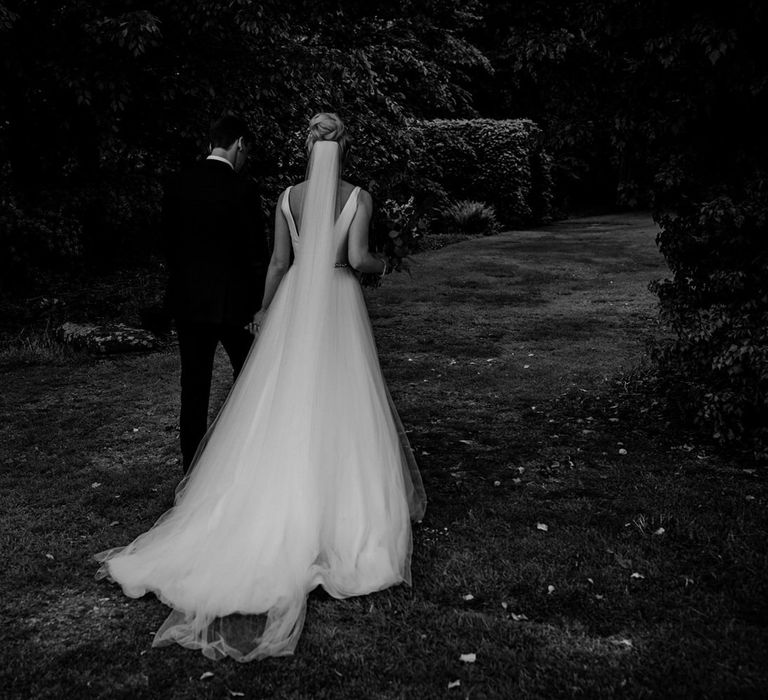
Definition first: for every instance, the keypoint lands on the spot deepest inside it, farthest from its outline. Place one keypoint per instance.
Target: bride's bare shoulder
(346, 189)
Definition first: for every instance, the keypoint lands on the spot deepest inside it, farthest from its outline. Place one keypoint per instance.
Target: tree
(99, 100)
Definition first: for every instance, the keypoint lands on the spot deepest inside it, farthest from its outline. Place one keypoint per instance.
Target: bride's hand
(404, 266)
(255, 325)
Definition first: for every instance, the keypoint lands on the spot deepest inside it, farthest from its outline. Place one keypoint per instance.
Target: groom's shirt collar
(223, 160)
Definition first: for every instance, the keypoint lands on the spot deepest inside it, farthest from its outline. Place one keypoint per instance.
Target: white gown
(305, 478)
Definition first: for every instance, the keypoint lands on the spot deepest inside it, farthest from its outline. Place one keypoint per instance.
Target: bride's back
(296, 199)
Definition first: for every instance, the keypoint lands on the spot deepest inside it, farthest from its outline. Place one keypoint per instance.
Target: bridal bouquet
(397, 221)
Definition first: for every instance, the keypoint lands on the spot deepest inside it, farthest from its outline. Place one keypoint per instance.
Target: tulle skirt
(305, 478)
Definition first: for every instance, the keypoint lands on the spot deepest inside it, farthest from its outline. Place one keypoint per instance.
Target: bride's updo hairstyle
(326, 126)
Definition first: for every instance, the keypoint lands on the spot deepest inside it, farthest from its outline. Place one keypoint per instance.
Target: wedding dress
(305, 478)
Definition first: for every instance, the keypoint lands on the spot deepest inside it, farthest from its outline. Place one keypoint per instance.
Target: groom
(214, 235)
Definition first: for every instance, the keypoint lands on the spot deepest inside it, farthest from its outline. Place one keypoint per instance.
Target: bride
(306, 477)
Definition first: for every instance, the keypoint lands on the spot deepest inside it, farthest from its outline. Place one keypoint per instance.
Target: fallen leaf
(236, 694)
(542, 526)
(622, 451)
(468, 658)
(750, 498)
(468, 597)
(497, 483)
(637, 575)
(114, 522)
(206, 675)
(95, 484)
(526, 366)
(550, 589)
(454, 684)
(660, 531)
(623, 562)
(49, 556)
(623, 642)
(518, 618)
(590, 580)
(466, 442)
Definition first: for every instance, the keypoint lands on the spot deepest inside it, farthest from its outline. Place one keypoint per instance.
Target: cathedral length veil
(306, 477)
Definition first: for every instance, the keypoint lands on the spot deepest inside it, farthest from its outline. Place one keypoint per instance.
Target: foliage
(564, 65)
(717, 304)
(625, 92)
(35, 237)
(498, 161)
(710, 191)
(467, 216)
(92, 88)
(72, 224)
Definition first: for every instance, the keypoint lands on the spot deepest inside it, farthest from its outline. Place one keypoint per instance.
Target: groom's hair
(226, 130)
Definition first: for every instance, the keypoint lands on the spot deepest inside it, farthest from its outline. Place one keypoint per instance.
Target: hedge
(499, 162)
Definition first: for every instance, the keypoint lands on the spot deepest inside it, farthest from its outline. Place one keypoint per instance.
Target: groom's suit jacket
(214, 236)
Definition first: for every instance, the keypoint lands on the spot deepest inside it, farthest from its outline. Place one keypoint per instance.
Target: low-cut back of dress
(341, 229)
(297, 484)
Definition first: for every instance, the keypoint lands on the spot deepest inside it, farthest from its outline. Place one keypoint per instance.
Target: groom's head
(230, 138)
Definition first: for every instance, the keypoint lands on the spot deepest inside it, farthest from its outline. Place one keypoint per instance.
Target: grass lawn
(576, 541)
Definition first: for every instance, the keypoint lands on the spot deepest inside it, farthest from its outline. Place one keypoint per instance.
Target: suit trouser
(197, 348)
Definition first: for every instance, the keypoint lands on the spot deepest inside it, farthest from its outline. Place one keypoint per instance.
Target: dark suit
(215, 244)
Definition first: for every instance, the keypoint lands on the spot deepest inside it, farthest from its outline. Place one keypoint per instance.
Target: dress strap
(345, 216)
(348, 211)
(285, 206)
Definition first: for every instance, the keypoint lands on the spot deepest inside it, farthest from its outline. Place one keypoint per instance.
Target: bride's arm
(357, 245)
(281, 257)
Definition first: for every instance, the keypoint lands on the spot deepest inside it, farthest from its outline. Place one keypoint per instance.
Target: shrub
(497, 161)
(470, 217)
(35, 238)
(114, 219)
(717, 304)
